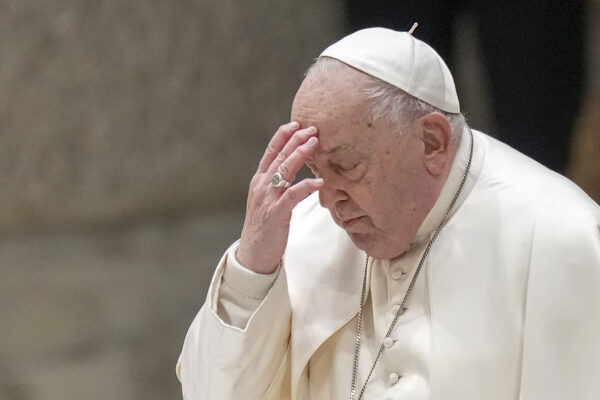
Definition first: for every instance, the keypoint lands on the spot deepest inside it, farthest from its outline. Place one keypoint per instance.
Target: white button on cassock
(399, 274)
(396, 308)
(393, 378)
(388, 342)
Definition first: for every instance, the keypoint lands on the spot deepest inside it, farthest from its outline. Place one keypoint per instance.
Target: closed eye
(350, 170)
(344, 167)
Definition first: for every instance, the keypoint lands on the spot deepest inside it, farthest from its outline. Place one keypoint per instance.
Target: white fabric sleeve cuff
(244, 281)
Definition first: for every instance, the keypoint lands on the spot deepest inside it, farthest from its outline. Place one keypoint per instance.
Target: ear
(436, 133)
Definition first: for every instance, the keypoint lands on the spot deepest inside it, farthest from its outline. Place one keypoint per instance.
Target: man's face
(376, 186)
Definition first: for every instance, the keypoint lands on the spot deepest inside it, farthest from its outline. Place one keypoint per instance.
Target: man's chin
(366, 242)
(375, 246)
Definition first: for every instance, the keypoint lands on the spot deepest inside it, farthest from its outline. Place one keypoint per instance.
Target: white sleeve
(241, 291)
(247, 356)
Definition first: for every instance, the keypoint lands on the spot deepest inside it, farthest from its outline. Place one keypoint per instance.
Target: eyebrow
(337, 149)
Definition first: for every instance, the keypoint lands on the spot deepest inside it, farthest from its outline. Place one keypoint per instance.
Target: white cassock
(507, 305)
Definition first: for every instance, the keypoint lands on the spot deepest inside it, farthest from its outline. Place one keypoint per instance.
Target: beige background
(128, 133)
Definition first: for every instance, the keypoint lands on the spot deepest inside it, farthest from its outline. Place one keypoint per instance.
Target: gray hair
(386, 101)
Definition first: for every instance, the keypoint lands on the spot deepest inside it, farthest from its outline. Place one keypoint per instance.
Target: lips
(347, 218)
(350, 222)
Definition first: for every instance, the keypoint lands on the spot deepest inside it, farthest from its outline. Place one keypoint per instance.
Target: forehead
(335, 104)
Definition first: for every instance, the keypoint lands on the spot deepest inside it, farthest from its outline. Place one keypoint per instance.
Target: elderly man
(434, 262)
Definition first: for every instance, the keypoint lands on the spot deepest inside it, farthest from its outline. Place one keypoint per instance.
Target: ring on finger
(279, 181)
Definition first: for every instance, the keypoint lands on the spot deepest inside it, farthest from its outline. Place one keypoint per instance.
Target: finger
(279, 139)
(292, 164)
(295, 194)
(298, 138)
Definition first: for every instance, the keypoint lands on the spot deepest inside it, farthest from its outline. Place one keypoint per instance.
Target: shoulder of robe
(519, 181)
(561, 211)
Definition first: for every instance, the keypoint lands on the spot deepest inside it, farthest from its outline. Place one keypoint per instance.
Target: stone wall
(112, 110)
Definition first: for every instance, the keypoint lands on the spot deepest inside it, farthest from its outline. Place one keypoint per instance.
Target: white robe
(513, 286)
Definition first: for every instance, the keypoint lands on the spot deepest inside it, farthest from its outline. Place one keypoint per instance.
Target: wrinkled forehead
(336, 105)
(331, 95)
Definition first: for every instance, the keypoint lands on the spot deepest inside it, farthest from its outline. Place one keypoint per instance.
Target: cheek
(390, 203)
(377, 199)
(369, 187)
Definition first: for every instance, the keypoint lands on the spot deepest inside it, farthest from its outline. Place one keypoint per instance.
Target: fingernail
(293, 125)
(319, 181)
(311, 129)
(312, 140)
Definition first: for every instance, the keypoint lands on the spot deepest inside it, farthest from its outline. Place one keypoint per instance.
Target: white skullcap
(400, 59)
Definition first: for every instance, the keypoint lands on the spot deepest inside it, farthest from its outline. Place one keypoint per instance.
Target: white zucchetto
(399, 59)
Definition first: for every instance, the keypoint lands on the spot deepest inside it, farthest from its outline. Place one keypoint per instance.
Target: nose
(330, 195)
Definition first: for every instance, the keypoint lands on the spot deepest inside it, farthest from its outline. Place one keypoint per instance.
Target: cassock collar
(457, 171)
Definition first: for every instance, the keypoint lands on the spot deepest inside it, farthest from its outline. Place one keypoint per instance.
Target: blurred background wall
(129, 131)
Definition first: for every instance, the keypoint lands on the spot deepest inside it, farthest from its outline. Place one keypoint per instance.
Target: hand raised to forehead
(269, 208)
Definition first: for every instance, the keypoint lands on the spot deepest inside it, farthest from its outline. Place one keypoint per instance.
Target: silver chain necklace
(408, 291)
